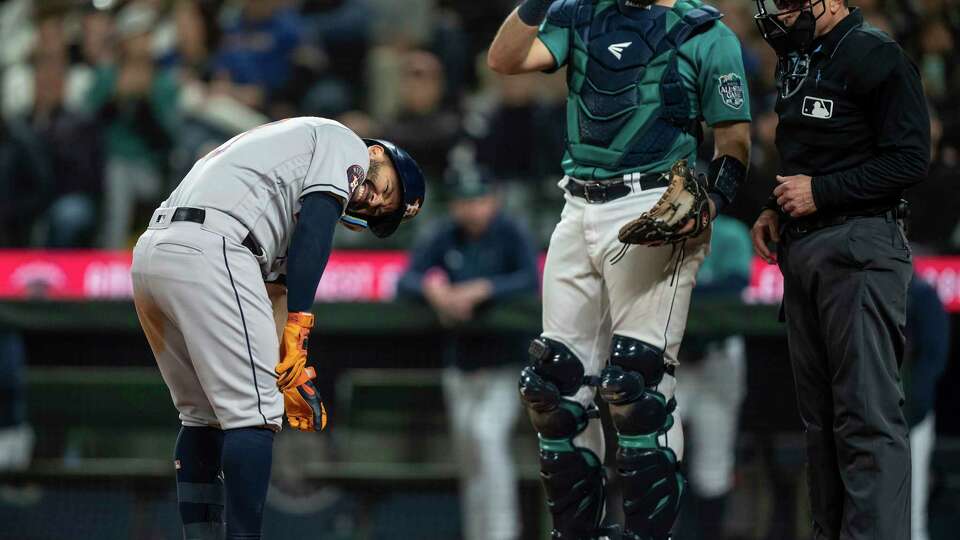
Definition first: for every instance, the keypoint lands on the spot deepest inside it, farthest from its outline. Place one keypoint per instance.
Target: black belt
(806, 225)
(199, 215)
(601, 191)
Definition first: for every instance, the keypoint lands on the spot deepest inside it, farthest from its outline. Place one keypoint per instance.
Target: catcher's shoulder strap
(563, 13)
(674, 114)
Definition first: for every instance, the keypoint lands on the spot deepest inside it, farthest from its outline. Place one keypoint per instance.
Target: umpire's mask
(789, 25)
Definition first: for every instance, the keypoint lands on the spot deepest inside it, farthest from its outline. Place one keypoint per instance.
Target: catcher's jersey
(710, 66)
(259, 177)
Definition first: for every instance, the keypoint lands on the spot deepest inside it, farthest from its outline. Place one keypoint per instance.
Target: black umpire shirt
(858, 124)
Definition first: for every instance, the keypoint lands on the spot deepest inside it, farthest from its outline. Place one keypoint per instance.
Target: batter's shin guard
(652, 484)
(572, 476)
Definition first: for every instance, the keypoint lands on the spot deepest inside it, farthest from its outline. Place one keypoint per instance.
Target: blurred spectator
(519, 132)
(135, 102)
(713, 384)
(71, 144)
(423, 126)
(25, 183)
(341, 30)
(478, 258)
(928, 345)
(19, 80)
(934, 222)
(404, 25)
(256, 51)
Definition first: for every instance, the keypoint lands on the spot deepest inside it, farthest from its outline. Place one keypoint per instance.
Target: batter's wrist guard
(724, 178)
(532, 12)
(293, 349)
(302, 404)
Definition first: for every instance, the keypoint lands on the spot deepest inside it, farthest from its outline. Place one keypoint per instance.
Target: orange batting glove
(303, 405)
(293, 349)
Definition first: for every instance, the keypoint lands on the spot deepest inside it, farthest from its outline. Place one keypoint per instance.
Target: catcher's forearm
(512, 44)
(728, 170)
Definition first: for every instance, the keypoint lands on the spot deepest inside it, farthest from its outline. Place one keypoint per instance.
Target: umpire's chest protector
(627, 103)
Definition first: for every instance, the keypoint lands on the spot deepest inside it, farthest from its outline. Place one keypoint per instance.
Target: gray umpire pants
(844, 299)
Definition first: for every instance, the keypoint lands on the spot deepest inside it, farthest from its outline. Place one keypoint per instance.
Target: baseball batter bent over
(641, 76)
(224, 278)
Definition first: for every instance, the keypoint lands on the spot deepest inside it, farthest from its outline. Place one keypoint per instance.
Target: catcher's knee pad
(572, 476)
(652, 484)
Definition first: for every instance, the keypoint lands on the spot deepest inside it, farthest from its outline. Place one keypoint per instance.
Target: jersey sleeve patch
(355, 176)
(730, 87)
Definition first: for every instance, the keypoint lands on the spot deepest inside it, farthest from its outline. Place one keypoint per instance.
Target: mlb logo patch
(815, 107)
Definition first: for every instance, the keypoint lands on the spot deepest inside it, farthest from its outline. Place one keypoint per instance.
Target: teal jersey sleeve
(556, 38)
(724, 96)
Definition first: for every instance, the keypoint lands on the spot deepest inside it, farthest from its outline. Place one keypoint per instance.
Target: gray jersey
(259, 177)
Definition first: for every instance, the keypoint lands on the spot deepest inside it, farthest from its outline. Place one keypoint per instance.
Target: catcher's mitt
(685, 199)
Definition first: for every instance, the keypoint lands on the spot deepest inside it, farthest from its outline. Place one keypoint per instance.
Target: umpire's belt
(213, 220)
(601, 191)
(800, 227)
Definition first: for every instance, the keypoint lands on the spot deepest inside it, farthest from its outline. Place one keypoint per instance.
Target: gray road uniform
(199, 269)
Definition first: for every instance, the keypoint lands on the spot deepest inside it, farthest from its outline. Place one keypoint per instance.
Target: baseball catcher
(642, 77)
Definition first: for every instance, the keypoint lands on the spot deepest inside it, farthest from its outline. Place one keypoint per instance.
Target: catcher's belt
(602, 191)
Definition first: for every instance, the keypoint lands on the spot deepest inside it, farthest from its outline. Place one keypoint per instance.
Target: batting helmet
(413, 189)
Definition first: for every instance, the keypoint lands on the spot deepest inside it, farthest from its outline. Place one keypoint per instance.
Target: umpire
(853, 134)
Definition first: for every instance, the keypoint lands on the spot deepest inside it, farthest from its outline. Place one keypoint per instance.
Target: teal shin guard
(652, 484)
(572, 476)
(574, 483)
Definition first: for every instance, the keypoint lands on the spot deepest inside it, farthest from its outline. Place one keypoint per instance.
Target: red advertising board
(350, 276)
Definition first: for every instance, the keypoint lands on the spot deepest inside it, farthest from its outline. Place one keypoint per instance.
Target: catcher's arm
(516, 48)
(731, 157)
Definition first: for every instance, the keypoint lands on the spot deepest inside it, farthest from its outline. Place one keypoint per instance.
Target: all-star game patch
(355, 176)
(731, 90)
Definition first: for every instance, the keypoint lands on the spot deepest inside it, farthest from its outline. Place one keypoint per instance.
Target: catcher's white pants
(204, 308)
(709, 394)
(589, 295)
(483, 409)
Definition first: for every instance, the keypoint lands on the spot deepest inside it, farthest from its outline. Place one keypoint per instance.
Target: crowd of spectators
(105, 104)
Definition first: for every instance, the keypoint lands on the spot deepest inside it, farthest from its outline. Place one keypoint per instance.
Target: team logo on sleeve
(355, 175)
(731, 90)
(412, 210)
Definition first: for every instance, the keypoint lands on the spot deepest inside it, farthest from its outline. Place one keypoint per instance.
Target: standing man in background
(927, 352)
(853, 134)
(714, 381)
(475, 259)
(641, 74)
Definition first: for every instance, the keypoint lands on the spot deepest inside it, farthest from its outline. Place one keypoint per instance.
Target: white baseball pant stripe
(204, 308)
